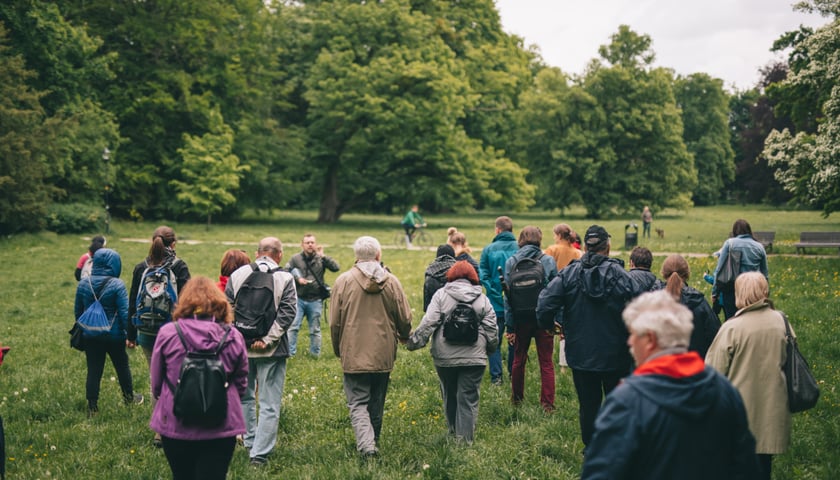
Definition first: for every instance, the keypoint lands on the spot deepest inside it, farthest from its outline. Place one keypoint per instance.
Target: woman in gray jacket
(459, 361)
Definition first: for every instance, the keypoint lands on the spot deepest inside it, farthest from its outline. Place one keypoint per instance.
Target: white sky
(728, 39)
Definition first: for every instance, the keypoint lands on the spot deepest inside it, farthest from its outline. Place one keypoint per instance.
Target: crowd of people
(650, 361)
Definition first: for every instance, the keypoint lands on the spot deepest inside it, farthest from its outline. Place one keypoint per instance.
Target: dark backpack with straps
(156, 297)
(526, 281)
(200, 397)
(460, 326)
(254, 309)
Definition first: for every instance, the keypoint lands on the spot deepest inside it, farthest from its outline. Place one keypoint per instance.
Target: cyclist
(411, 222)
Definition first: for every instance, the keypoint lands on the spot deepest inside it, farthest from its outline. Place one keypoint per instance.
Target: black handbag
(802, 388)
(729, 271)
(77, 341)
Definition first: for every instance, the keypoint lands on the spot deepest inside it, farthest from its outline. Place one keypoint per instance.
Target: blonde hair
(458, 238)
(750, 288)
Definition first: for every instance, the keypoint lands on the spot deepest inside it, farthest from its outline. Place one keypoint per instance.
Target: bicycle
(422, 238)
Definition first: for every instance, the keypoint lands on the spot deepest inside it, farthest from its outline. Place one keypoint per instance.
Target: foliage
(74, 218)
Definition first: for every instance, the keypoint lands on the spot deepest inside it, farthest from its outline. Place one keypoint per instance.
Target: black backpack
(156, 297)
(460, 326)
(253, 307)
(526, 281)
(200, 397)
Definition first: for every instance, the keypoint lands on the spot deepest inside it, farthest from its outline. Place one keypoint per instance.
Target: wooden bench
(766, 239)
(818, 240)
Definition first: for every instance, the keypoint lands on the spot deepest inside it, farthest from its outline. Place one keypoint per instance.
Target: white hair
(366, 248)
(659, 313)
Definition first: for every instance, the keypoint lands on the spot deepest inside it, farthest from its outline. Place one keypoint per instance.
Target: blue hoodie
(105, 280)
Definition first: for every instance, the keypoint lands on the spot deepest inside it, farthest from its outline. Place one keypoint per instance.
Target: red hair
(462, 269)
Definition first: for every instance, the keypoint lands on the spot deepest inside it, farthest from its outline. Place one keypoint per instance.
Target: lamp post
(106, 159)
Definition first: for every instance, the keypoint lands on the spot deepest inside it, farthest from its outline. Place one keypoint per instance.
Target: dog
(660, 233)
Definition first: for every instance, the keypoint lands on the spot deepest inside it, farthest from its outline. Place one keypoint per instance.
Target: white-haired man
(369, 313)
(674, 417)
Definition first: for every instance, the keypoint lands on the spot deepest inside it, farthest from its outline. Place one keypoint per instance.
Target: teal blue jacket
(493, 257)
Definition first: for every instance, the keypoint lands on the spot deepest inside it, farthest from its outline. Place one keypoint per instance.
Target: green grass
(42, 381)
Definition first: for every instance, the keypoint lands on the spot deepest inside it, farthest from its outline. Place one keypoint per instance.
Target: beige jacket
(369, 313)
(563, 253)
(749, 350)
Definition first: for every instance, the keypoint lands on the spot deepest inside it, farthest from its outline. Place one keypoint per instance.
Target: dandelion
(25, 389)
(414, 422)
(52, 447)
(426, 466)
(113, 379)
(131, 451)
(17, 393)
(312, 388)
(295, 391)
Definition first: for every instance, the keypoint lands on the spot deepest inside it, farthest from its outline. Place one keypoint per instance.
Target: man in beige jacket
(369, 315)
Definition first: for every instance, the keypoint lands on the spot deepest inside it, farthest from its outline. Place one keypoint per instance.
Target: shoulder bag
(729, 271)
(802, 388)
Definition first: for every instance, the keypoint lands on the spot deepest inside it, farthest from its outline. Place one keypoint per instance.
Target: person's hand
(320, 250)
(511, 338)
(130, 344)
(303, 281)
(258, 345)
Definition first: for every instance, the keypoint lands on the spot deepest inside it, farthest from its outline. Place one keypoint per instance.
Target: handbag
(725, 279)
(77, 340)
(94, 321)
(802, 388)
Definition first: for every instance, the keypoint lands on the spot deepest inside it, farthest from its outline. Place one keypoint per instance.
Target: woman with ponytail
(675, 272)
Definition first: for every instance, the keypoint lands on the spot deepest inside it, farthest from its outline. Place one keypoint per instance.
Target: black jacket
(706, 323)
(587, 298)
(435, 277)
(645, 280)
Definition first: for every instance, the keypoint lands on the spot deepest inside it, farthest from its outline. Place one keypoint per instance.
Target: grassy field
(42, 381)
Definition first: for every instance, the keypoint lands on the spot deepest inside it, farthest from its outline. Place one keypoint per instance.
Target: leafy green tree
(705, 109)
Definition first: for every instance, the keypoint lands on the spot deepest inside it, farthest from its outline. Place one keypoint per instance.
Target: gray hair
(366, 248)
(270, 245)
(659, 313)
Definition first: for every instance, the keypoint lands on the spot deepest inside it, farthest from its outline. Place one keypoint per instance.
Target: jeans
(95, 351)
(199, 459)
(545, 347)
(459, 387)
(646, 229)
(312, 309)
(268, 375)
(591, 389)
(366, 401)
(495, 358)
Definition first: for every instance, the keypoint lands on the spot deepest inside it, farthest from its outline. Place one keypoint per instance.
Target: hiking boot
(259, 460)
(93, 409)
(157, 442)
(134, 399)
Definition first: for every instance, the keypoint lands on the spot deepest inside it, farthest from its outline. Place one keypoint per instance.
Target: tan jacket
(749, 350)
(563, 253)
(368, 315)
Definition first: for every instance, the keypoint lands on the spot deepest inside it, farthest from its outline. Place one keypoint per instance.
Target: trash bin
(631, 239)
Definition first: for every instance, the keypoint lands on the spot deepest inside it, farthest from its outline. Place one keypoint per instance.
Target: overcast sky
(728, 39)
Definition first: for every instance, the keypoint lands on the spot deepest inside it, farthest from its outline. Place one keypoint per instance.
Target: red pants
(545, 346)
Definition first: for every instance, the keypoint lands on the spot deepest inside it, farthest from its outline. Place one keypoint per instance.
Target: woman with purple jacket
(204, 317)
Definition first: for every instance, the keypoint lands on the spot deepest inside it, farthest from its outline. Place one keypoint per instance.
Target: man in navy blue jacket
(674, 417)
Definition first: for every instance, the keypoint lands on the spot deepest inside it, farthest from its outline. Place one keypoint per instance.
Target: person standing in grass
(490, 272)
(369, 314)
(460, 366)
(161, 253)
(104, 284)
(198, 452)
(674, 417)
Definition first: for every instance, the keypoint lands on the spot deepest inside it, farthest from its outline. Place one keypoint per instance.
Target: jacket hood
(440, 265)
(504, 237)
(107, 263)
(594, 274)
(691, 397)
(691, 297)
(462, 290)
(529, 251)
(202, 333)
(373, 276)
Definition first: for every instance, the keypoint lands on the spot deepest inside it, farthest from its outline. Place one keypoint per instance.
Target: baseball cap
(595, 235)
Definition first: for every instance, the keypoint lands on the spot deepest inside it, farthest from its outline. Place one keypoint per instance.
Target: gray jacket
(444, 301)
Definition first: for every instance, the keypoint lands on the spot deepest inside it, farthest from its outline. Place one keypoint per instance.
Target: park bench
(818, 240)
(766, 239)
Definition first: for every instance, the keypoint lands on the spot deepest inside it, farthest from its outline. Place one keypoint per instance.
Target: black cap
(596, 234)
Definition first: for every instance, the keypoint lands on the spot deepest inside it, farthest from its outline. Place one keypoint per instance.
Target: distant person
(587, 297)
(521, 320)
(462, 250)
(411, 222)
(460, 365)
(647, 218)
(231, 260)
(104, 284)
(491, 272)
(640, 261)
(563, 251)
(674, 417)
(753, 259)
(435, 275)
(267, 354)
(749, 350)
(85, 263)
(308, 267)
(675, 272)
(204, 319)
(161, 254)
(369, 314)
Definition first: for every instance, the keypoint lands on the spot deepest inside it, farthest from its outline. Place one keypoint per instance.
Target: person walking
(460, 366)
(231, 260)
(369, 314)
(85, 263)
(267, 354)
(491, 272)
(647, 219)
(676, 273)
(563, 251)
(308, 268)
(204, 317)
(434, 278)
(641, 260)
(105, 285)
(753, 259)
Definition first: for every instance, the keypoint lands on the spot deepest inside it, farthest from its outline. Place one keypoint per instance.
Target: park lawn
(42, 380)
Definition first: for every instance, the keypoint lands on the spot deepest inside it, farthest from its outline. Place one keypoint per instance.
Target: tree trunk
(328, 213)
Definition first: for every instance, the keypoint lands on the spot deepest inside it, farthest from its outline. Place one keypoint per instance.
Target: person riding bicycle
(411, 222)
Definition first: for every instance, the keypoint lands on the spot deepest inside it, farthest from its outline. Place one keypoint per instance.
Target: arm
(286, 310)
(122, 305)
(489, 328)
(431, 321)
(329, 264)
(550, 303)
(182, 273)
(719, 355)
(157, 367)
(335, 312)
(239, 375)
(724, 252)
(132, 302)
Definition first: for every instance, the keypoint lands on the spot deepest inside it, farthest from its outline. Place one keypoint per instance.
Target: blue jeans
(495, 358)
(268, 375)
(312, 310)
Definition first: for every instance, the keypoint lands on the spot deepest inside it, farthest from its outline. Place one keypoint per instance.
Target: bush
(74, 218)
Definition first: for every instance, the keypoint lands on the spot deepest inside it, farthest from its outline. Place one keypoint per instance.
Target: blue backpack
(156, 297)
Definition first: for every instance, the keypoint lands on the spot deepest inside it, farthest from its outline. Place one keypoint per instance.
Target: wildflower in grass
(295, 391)
(25, 389)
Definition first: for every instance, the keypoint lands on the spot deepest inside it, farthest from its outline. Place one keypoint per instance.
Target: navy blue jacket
(587, 298)
(105, 281)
